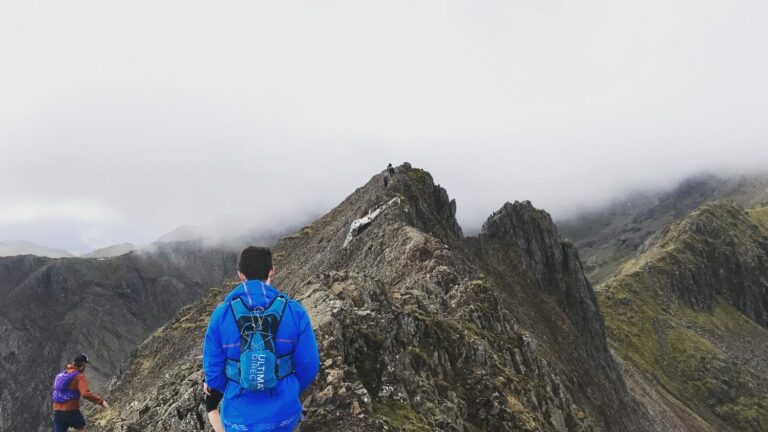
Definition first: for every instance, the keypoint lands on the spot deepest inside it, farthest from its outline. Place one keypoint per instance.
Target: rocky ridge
(113, 250)
(419, 327)
(609, 237)
(688, 319)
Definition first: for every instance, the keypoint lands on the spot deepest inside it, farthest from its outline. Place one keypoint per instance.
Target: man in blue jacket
(279, 408)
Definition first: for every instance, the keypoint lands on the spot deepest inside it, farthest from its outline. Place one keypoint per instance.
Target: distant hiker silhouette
(390, 170)
(68, 387)
(260, 351)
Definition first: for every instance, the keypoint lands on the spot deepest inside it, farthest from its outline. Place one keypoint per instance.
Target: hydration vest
(259, 367)
(61, 391)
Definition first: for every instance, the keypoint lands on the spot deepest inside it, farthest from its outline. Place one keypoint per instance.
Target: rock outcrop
(555, 276)
(715, 252)
(419, 327)
(54, 308)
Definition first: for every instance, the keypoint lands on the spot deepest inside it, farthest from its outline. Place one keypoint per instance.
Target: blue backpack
(259, 367)
(61, 391)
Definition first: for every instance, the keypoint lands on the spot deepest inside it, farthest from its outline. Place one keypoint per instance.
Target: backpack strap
(284, 365)
(67, 378)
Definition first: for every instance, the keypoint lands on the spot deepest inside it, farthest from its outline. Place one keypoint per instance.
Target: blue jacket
(276, 410)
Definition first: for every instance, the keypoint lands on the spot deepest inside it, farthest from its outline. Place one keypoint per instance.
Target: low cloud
(269, 115)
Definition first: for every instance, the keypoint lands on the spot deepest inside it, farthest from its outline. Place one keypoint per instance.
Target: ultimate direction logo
(257, 370)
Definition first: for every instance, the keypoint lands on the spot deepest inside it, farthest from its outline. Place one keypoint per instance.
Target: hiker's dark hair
(255, 262)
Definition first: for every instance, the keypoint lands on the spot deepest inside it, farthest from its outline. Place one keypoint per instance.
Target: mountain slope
(14, 247)
(689, 315)
(419, 328)
(110, 251)
(760, 217)
(55, 308)
(609, 237)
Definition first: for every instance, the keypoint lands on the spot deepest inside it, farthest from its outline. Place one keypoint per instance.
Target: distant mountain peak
(20, 247)
(705, 254)
(610, 236)
(517, 220)
(110, 251)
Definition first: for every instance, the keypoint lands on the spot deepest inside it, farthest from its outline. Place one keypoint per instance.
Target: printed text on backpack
(259, 367)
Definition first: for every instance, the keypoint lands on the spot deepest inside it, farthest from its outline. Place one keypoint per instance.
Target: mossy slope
(690, 313)
(760, 217)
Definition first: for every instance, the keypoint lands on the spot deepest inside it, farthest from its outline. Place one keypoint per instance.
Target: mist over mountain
(233, 234)
(423, 327)
(600, 264)
(18, 247)
(569, 106)
(109, 251)
(404, 307)
(607, 237)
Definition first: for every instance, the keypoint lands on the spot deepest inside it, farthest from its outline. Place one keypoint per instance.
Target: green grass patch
(400, 416)
(304, 232)
(689, 349)
(669, 342)
(418, 175)
(760, 217)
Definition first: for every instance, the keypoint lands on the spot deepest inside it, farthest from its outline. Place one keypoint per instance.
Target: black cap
(81, 359)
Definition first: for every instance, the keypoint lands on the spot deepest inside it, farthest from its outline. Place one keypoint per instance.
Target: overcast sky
(122, 120)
